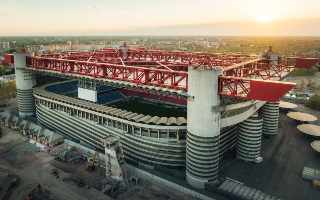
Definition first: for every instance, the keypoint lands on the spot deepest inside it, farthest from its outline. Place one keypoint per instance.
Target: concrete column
(24, 84)
(270, 115)
(202, 158)
(249, 139)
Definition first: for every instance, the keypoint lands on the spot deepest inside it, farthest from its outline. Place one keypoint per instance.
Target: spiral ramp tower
(203, 125)
(24, 84)
(249, 139)
(227, 140)
(270, 115)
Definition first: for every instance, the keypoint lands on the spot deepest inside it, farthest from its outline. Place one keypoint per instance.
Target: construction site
(149, 124)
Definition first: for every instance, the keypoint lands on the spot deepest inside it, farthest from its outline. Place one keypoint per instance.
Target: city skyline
(104, 17)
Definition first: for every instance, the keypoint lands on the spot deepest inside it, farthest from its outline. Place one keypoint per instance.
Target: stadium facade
(191, 132)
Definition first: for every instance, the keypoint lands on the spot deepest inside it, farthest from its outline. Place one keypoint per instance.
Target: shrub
(8, 90)
(314, 102)
(304, 72)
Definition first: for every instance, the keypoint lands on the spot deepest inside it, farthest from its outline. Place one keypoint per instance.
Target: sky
(94, 17)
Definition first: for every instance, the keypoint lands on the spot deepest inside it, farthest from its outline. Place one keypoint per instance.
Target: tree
(7, 90)
(314, 102)
(11, 51)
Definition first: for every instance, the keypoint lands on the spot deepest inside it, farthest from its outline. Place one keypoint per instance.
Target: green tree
(7, 90)
(314, 102)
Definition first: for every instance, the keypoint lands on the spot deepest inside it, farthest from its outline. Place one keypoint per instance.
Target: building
(169, 109)
(5, 45)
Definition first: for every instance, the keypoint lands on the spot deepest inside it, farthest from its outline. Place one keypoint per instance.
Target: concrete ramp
(239, 191)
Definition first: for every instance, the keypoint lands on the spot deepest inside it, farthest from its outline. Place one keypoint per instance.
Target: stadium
(174, 110)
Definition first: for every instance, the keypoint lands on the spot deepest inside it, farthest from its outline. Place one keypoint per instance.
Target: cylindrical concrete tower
(203, 126)
(270, 115)
(249, 139)
(24, 83)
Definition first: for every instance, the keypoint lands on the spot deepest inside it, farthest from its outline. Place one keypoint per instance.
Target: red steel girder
(176, 80)
(264, 90)
(141, 56)
(169, 70)
(258, 68)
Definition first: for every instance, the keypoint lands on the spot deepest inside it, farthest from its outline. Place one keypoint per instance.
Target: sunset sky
(90, 17)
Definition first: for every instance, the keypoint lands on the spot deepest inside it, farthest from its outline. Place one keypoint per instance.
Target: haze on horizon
(165, 17)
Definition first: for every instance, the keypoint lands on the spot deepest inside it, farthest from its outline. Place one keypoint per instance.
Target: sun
(264, 19)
